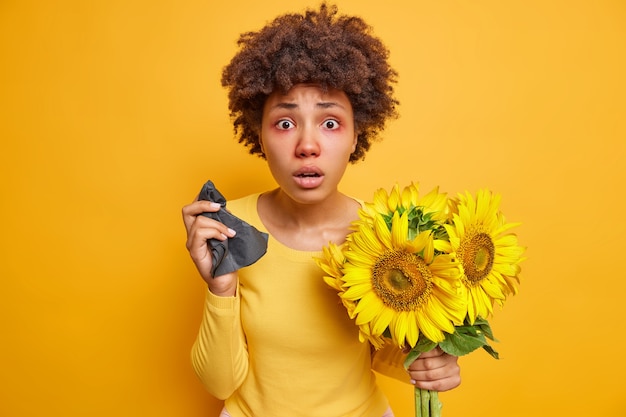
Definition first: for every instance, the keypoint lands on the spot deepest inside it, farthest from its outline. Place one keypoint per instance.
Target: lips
(308, 171)
(309, 176)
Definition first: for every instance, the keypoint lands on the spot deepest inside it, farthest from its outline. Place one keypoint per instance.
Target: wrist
(224, 285)
(219, 292)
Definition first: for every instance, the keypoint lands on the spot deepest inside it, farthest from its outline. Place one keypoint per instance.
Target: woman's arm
(219, 355)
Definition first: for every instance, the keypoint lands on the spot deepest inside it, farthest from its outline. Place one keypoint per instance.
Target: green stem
(418, 402)
(435, 404)
(425, 402)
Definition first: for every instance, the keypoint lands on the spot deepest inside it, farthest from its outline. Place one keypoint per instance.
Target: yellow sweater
(284, 346)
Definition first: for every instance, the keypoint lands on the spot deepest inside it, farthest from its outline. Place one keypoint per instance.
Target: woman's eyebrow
(328, 104)
(285, 105)
(321, 104)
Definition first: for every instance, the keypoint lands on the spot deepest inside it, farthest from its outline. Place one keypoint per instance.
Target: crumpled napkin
(244, 249)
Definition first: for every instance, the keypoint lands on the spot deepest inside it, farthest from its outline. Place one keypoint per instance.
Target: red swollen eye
(284, 125)
(331, 124)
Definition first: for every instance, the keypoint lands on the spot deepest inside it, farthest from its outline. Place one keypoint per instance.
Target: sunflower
(432, 206)
(488, 254)
(399, 286)
(417, 269)
(332, 263)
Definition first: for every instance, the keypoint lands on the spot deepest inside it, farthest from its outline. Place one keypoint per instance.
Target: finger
(440, 385)
(203, 222)
(199, 250)
(433, 361)
(192, 217)
(198, 207)
(203, 229)
(432, 353)
(191, 211)
(439, 373)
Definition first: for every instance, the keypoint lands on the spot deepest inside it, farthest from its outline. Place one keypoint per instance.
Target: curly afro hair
(317, 47)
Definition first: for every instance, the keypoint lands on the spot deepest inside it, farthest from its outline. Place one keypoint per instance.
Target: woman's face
(307, 136)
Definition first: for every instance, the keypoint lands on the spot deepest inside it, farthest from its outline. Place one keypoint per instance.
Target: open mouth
(309, 177)
(308, 172)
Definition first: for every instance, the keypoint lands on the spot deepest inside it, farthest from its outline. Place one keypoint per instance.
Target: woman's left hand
(436, 371)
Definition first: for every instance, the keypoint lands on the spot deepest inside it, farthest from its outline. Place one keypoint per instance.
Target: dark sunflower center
(401, 280)
(476, 254)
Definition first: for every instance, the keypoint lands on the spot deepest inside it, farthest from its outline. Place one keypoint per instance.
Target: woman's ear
(261, 144)
(356, 140)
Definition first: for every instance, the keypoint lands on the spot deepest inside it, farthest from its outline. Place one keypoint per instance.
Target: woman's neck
(307, 226)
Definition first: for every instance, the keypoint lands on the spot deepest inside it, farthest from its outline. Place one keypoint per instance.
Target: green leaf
(484, 326)
(463, 341)
(387, 333)
(423, 345)
(491, 351)
(410, 358)
(468, 338)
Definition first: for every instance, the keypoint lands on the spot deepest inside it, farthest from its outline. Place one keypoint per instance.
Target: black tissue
(245, 248)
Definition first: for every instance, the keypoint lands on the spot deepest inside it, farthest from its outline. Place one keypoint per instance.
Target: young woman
(308, 93)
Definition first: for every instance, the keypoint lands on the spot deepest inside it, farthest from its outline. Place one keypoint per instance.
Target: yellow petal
(399, 229)
(429, 329)
(382, 232)
(394, 198)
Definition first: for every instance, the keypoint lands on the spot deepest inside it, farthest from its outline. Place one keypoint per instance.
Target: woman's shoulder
(245, 200)
(246, 209)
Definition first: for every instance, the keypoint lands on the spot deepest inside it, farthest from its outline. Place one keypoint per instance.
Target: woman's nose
(308, 144)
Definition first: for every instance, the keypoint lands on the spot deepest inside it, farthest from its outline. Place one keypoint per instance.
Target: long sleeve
(284, 346)
(389, 361)
(219, 355)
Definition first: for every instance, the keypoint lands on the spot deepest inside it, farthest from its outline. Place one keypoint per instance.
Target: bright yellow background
(112, 117)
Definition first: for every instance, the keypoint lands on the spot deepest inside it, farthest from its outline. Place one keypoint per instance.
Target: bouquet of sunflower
(426, 271)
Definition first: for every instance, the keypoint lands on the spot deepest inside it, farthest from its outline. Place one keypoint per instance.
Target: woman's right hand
(199, 230)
